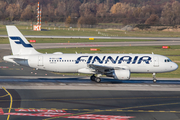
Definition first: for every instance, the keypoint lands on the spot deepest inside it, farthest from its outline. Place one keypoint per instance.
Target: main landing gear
(154, 77)
(96, 79)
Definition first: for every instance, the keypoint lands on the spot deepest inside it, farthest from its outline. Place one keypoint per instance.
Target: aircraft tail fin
(19, 44)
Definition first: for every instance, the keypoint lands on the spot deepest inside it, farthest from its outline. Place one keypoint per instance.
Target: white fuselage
(136, 63)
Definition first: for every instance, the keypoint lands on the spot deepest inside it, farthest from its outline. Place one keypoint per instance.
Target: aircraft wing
(103, 69)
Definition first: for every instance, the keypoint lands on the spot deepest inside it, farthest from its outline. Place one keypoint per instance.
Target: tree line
(151, 12)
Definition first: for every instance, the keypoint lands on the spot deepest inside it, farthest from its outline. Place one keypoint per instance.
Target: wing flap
(102, 68)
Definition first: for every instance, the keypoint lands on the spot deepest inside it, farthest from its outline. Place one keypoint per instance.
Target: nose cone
(174, 66)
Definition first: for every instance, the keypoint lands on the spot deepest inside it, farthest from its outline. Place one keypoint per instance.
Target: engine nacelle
(121, 74)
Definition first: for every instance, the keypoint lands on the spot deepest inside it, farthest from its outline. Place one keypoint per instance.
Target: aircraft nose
(174, 66)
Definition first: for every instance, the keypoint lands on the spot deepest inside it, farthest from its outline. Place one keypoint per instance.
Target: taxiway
(96, 44)
(44, 104)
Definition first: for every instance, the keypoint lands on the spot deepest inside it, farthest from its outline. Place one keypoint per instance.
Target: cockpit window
(167, 60)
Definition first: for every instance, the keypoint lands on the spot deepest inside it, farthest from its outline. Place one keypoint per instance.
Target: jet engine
(121, 74)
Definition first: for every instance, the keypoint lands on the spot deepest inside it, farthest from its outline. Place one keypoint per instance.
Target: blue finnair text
(115, 60)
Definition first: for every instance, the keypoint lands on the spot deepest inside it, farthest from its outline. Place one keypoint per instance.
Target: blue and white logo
(20, 41)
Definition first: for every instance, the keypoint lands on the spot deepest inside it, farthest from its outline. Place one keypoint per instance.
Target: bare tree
(121, 8)
(88, 20)
(97, 2)
(101, 10)
(68, 21)
(88, 9)
(68, 7)
(84, 1)
(13, 11)
(152, 20)
(29, 13)
(170, 13)
(3, 9)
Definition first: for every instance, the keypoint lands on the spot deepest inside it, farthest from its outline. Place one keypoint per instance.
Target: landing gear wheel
(154, 77)
(154, 81)
(98, 80)
(93, 77)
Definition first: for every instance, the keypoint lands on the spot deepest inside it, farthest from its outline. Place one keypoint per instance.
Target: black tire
(93, 78)
(154, 81)
(98, 80)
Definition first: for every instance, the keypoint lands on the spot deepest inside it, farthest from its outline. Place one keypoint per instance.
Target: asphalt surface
(52, 97)
(10, 69)
(60, 104)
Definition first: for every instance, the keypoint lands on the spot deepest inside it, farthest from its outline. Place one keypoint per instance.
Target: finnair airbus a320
(118, 66)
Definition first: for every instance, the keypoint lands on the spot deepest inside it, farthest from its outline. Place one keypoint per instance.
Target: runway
(14, 73)
(97, 44)
(53, 97)
(47, 96)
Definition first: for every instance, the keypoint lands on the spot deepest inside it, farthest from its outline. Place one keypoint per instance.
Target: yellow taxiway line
(10, 106)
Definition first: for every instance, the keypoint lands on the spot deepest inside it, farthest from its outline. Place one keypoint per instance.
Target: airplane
(118, 66)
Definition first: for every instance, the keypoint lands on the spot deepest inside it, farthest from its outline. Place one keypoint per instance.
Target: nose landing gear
(154, 78)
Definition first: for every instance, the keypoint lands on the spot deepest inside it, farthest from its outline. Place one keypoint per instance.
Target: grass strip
(91, 32)
(71, 40)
